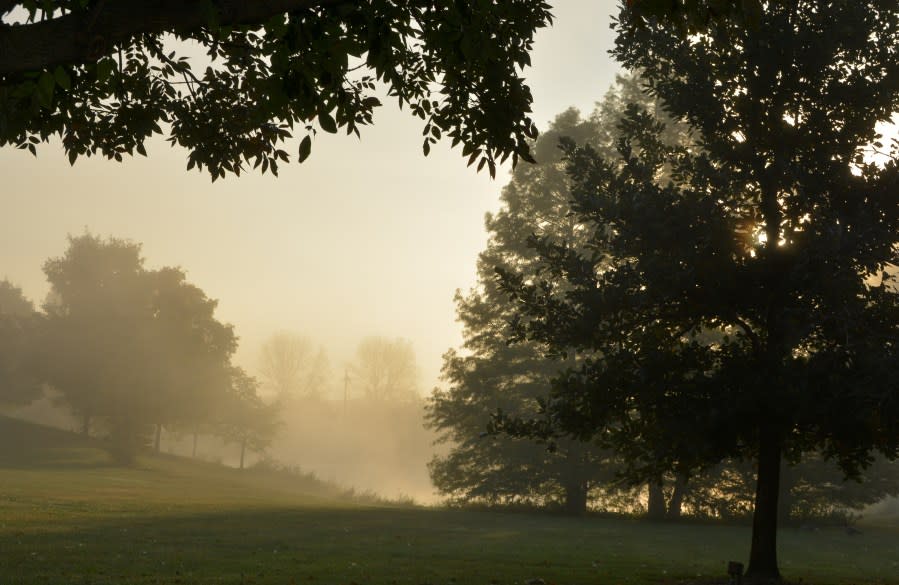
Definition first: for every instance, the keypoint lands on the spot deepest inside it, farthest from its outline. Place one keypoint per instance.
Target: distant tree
(386, 370)
(136, 348)
(775, 233)
(106, 76)
(243, 418)
(191, 349)
(19, 383)
(290, 368)
(96, 310)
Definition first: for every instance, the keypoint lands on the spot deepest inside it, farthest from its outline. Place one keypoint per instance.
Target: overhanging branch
(83, 37)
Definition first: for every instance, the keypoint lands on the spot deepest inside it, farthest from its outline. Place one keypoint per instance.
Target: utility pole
(346, 383)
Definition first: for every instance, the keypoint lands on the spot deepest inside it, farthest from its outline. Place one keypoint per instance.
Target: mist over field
(518, 293)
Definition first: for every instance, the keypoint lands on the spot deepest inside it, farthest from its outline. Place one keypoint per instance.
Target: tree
(244, 418)
(18, 332)
(103, 77)
(192, 352)
(488, 374)
(290, 369)
(95, 308)
(743, 307)
(386, 370)
(133, 347)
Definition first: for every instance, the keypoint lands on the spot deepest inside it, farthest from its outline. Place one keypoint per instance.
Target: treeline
(502, 374)
(137, 356)
(129, 351)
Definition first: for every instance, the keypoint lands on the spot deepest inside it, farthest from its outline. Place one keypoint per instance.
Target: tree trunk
(656, 503)
(576, 498)
(243, 450)
(763, 555)
(158, 439)
(86, 424)
(677, 497)
(193, 453)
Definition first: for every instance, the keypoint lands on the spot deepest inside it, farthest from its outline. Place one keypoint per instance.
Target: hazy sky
(367, 237)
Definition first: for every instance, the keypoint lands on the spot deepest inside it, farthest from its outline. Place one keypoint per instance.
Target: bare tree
(386, 370)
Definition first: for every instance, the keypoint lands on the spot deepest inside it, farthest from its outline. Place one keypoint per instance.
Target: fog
(366, 239)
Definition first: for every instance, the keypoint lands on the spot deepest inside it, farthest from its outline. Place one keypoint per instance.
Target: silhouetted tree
(489, 374)
(775, 234)
(104, 76)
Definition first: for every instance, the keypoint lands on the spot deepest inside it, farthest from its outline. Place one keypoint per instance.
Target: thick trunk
(677, 497)
(86, 424)
(763, 555)
(576, 498)
(243, 450)
(193, 453)
(656, 504)
(158, 438)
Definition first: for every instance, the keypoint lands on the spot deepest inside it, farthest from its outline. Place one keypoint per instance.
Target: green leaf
(305, 148)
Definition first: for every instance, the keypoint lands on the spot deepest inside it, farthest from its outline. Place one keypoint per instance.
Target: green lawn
(67, 516)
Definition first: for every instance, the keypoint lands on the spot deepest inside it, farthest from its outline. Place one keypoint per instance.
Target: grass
(68, 517)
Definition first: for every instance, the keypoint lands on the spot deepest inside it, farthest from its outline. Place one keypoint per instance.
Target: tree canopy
(230, 81)
(487, 373)
(736, 299)
(129, 346)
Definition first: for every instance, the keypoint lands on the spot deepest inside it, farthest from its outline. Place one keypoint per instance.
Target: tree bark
(656, 504)
(576, 498)
(243, 450)
(763, 554)
(677, 497)
(86, 35)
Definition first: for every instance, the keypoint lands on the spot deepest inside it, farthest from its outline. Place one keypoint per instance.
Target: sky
(367, 237)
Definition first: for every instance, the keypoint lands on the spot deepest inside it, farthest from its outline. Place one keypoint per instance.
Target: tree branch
(83, 37)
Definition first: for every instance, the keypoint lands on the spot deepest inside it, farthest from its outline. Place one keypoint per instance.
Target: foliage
(243, 417)
(19, 324)
(488, 374)
(386, 370)
(231, 81)
(742, 307)
(131, 346)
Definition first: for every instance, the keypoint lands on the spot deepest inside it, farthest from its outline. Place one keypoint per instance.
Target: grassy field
(68, 517)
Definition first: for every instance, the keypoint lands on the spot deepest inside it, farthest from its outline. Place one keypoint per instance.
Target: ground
(69, 517)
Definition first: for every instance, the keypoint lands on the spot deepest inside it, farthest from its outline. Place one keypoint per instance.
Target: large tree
(743, 307)
(487, 373)
(132, 347)
(230, 80)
